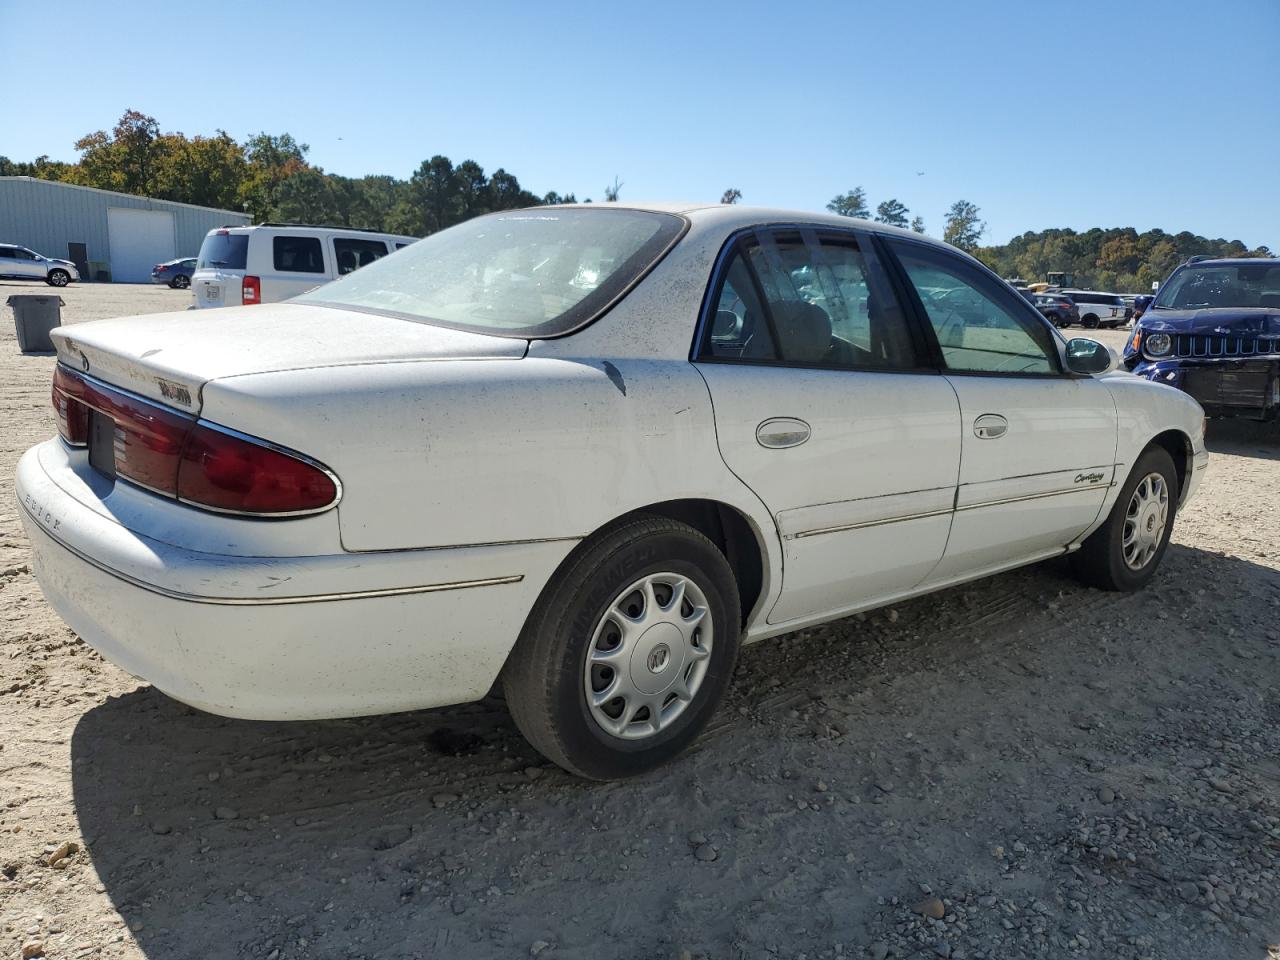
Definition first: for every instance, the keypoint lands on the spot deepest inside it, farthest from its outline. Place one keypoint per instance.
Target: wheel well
(1178, 445)
(729, 530)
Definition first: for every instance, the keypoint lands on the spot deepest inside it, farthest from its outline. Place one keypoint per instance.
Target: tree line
(269, 177)
(1118, 259)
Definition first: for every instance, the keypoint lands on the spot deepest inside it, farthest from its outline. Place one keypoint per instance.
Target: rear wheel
(1125, 551)
(181, 282)
(628, 652)
(1089, 321)
(58, 278)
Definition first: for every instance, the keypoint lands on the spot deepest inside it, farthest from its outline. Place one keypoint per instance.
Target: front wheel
(628, 652)
(1125, 551)
(58, 278)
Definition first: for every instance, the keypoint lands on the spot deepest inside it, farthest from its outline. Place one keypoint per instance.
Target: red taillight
(177, 456)
(73, 416)
(251, 290)
(161, 268)
(225, 471)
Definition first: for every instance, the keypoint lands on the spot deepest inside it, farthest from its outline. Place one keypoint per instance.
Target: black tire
(58, 278)
(180, 282)
(543, 679)
(1089, 322)
(1100, 560)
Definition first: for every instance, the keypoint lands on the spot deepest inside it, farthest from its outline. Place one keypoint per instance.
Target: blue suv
(1213, 330)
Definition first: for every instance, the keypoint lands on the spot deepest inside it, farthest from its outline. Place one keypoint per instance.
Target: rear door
(823, 407)
(294, 264)
(1038, 444)
(220, 269)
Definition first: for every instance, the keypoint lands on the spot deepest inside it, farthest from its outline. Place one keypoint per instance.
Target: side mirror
(1089, 357)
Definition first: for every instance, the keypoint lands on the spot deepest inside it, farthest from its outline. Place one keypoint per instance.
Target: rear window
(225, 251)
(297, 254)
(355, 252)
(526, 273)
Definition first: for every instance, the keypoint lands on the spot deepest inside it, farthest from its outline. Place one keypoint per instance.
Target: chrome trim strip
(867, 523)
(938, 513)
(269, 601)
(1034, 496)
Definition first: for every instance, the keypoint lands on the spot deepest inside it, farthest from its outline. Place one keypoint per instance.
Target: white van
(276, 261)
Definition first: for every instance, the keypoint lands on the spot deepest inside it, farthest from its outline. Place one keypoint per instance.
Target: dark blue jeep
(1213, 330)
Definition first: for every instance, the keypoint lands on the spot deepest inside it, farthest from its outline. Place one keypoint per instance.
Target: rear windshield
(526, 273)
(225, 251)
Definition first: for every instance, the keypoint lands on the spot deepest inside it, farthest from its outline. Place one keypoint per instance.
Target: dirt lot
(1016, 768)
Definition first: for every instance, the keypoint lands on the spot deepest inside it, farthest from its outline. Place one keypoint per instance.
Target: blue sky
(1080, 114)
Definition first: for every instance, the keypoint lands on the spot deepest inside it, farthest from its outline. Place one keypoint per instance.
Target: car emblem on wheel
(658, 658)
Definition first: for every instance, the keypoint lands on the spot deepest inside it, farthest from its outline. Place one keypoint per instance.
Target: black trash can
(34, 315)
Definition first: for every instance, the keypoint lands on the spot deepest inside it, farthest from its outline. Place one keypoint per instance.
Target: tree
(473, 189)
(892, 212)
(271, 159)
(611, 193)
(553, 198)
(917, 224)
(206, 171)
(963, 227)
(732, 195)
(125, 159)
(851, 204)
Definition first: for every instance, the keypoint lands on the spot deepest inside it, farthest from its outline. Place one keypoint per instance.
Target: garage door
(139, 239)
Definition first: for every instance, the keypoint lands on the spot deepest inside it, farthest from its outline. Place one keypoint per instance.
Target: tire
(1089, 322)
(58, 278)
(180, 282)
(580, 614)
(1101, 560)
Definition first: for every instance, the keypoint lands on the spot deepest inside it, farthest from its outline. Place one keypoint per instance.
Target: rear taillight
(223, 470)
(199, 463)
(251, 290)
(161, 268)
(73, 416)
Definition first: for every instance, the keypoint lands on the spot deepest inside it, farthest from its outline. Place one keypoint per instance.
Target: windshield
(223, 250)
(1234, 285)
(525, 273)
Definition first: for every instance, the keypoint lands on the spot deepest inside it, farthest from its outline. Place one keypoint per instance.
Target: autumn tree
(964, 228)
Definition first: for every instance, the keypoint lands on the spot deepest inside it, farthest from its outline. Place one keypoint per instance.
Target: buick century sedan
(583, 453)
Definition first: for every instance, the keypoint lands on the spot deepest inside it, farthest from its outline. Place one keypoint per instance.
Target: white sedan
(586, 452)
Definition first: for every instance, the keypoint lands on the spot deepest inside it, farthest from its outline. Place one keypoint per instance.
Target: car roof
(1233, 261)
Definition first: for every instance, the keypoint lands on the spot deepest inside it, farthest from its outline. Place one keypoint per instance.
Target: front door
(824, 408)
(1038, 444)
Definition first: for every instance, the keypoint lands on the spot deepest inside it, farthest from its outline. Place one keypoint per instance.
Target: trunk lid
(169, 357)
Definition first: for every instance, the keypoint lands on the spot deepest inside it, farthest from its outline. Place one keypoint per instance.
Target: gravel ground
(1020, 767)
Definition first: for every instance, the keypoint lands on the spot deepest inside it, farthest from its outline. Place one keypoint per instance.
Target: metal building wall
(46, 216)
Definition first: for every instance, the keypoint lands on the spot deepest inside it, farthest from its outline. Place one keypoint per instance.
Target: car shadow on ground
(442, 834)
(1244, 438)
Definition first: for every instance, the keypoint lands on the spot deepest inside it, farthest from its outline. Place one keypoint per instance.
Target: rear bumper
(1246, 387)
(283, 638)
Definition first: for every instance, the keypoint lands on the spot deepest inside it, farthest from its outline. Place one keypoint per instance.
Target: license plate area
(212, 291)
(102, 443)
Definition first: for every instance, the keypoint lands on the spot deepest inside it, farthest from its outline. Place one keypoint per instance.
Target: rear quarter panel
(445, 453)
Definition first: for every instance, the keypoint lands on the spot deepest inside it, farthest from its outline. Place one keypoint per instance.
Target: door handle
(778, 433)
(990, 426)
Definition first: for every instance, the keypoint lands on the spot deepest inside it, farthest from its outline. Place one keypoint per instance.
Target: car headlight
(1158, 344)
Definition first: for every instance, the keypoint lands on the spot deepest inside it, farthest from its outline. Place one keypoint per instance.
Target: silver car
(19, 263)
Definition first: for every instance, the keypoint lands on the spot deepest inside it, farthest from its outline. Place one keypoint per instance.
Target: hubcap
(648, 656)
(1144, 521)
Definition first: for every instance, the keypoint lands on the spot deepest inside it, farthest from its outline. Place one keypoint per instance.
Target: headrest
(804, 329)
(1270, 300)
(725, 325)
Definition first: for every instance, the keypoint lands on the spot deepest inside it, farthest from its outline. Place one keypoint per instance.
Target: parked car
(275, 261)
(584, 451)
(1213, 330)
(1058, 310)
(175, 273)
(1098, 309)
(19, 263)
